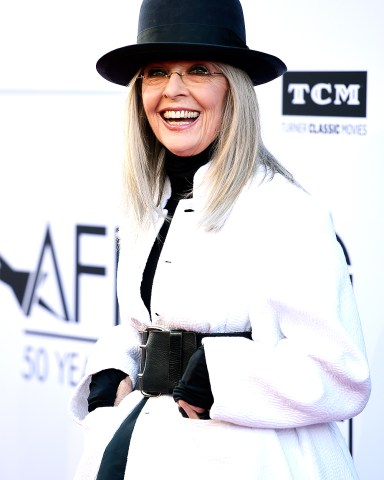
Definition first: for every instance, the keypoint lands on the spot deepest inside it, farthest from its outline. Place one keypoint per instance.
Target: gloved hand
(194, 386)
(103, 388)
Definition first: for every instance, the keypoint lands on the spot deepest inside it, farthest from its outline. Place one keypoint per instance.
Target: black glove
(194, 386)
(103, 388)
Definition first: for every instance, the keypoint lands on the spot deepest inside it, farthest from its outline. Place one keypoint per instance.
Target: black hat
(211, 30)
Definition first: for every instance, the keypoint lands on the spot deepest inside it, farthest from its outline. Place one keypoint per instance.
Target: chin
(185, 151)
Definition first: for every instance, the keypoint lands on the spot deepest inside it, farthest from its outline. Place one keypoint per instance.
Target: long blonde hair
(237, 154)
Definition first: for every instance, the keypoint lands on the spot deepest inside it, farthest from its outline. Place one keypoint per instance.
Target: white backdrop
(61, 148)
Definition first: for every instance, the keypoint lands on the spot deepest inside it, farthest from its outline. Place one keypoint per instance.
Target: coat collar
(199, 187)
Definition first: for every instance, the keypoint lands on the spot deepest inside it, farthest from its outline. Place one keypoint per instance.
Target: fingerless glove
(194, 386)
(103, 388)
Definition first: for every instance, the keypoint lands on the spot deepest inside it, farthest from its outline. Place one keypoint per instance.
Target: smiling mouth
(180, 117)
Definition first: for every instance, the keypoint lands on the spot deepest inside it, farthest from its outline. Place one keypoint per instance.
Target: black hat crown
(205, 22)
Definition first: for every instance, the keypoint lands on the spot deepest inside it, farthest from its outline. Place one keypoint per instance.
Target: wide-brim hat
(210, 30)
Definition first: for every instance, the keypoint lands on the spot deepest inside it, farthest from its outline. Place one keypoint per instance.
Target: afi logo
(331, 94)
(27, 285)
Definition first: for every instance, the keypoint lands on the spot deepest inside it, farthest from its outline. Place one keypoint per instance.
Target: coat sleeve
(116, 348)
(306, 363)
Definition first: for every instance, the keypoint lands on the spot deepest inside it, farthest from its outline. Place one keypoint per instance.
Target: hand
(190, 410)
(103, 388)
(194, 388)
(124, 389)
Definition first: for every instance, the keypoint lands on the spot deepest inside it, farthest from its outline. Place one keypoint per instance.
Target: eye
(156, 73)
(199, 70)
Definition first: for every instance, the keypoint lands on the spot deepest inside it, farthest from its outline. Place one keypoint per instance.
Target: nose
(175, 86)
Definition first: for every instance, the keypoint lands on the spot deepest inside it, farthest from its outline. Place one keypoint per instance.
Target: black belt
(165, 355)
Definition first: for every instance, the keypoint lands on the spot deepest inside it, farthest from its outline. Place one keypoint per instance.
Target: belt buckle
(152, 328)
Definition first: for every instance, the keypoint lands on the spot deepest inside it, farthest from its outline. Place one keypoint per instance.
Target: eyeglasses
(195, 75)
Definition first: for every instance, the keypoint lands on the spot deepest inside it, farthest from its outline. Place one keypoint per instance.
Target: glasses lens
(158, 77)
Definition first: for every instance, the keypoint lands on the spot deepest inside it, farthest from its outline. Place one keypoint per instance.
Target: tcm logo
(325, 94)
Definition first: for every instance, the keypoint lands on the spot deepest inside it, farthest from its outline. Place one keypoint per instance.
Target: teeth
(180, 114)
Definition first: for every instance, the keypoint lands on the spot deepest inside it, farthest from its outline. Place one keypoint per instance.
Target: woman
(218, 239)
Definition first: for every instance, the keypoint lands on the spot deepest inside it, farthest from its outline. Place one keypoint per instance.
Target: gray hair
(238, 153)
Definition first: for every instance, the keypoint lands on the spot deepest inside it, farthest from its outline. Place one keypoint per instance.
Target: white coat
(275, 267)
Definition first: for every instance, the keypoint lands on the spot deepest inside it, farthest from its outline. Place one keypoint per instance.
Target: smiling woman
(235, 355)
(185, 107)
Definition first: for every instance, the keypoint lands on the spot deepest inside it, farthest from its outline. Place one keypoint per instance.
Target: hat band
(191, 33)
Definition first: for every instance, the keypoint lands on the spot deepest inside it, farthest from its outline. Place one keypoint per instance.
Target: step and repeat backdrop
(61, 150)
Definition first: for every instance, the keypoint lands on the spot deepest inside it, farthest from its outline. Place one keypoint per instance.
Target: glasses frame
(164, 79)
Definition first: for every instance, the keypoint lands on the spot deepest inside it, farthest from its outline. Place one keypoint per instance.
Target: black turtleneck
(180, 171)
